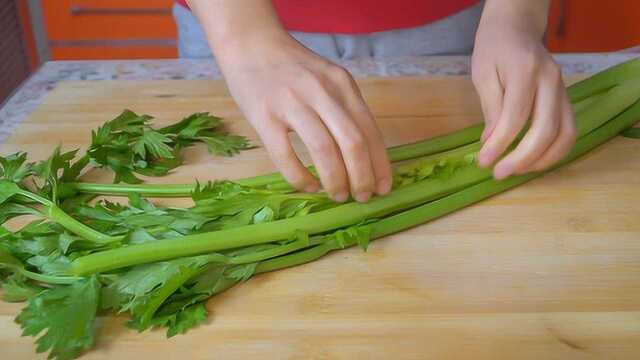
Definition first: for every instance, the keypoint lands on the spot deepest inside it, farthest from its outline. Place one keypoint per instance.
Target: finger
(276, 140)
(323, 150)
(564, 141)
(377, 151)
(359, 111)
(517, 103)
(353, 146)
(545, 121)
(490, 92)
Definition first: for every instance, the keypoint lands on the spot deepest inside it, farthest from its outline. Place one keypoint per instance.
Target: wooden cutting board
(550, 270)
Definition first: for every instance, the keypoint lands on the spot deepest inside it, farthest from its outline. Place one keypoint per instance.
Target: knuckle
(260, 110)
(510, 128)
(553, 73)
(354, 143)
(363, 184)
(339, 74)
(302, 72)
(306, 79)
(549, 131)
(530, 62)
(310, 79)
(322, 147)
(286, 94)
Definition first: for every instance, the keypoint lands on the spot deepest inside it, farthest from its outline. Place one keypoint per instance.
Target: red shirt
(362, 16)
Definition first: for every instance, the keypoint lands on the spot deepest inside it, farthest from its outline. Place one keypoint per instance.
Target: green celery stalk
(457, 200)
(625, 94)
(147, 190)
(275, 180)
(52, 212)
(9, 261)
(338, 217)
(341, 216)
(577, 92)
(604, 80)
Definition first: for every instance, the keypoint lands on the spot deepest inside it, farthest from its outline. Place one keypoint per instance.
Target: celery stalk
(341, 216)
(338, 217)
(457, 200)
(275, 180)
(604, 80)
(577, 92)
(52, 212)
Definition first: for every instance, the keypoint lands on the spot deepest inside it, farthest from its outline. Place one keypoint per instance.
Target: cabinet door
(114, 29)
(113, 19)
(593, 25)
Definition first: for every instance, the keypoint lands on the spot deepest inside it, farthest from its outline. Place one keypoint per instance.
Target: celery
(582, 90)
(431, 188)
(458, 200)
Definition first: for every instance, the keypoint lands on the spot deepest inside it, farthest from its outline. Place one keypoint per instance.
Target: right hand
(280, 87)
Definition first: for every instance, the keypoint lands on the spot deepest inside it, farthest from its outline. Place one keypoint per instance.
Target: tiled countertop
(33, 91)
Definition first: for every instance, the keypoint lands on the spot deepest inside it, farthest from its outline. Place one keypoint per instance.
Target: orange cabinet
(114, 29)
(124, 29)
(593, 25)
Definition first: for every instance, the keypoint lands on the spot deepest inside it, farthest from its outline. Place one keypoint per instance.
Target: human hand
(517, 80)
(280, 87)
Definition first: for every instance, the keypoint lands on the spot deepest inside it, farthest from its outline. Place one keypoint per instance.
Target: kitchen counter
(546, 271)
(33, 91)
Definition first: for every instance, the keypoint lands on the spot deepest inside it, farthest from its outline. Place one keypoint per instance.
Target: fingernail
(341, 197)
(312, 188)
(363, 197)
(502, 170)
(384, 186)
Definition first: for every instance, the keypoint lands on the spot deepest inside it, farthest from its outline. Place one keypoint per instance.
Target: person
(276, 57)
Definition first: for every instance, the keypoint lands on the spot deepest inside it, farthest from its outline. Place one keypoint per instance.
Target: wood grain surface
(550, 270)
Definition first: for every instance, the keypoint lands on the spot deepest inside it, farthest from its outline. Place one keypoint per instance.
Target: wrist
(239, 29)
(249, 45)
(517, 15)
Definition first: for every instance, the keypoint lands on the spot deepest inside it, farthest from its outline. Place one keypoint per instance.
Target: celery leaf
(66, 315)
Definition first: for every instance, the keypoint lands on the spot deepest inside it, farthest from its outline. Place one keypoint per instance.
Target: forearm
(528, 15)
(234, 27)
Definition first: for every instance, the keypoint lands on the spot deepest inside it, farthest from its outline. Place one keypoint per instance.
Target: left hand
(518, 83)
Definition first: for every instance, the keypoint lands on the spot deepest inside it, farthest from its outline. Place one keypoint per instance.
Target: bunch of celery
(160, 264)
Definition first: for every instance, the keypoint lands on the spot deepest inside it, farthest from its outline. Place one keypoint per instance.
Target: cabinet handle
(82, 10)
